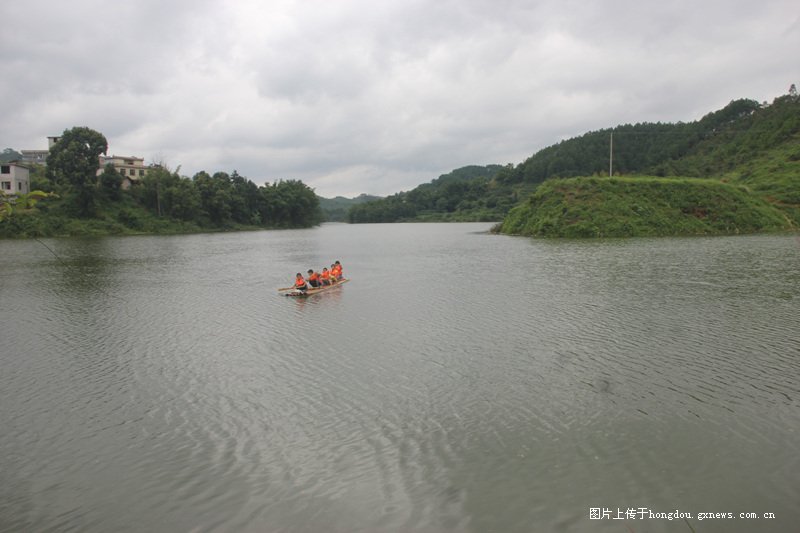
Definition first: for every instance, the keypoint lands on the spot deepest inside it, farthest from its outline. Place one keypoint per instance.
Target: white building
(35, 156)
(131, 168)
(14, 179)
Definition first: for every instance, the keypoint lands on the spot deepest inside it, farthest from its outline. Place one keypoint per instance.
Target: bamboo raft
(311, 291)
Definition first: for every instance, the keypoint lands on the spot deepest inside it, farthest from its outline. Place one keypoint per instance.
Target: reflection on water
(460, 382)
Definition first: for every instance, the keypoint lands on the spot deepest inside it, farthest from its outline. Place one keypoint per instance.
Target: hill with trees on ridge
(470, 193)
(335, 209)
(752, 145)
(749, 155)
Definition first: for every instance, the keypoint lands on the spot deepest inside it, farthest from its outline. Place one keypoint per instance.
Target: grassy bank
(774, 176)
(642, 206)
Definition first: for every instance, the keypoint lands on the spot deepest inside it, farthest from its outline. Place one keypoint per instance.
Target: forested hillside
(335, 209)
(756, 145)
(750, 152)
(717, 144)
(466, 194)
(651, 148)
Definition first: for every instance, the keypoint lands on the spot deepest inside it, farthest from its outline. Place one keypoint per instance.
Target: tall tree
(110, 182)
(74, 161)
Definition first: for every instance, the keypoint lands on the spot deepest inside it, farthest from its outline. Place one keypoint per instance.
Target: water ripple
(162, 382)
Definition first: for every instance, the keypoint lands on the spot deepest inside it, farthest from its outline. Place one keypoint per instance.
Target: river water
(460, 382)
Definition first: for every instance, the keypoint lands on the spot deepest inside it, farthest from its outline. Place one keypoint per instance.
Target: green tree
(39, 179)
(215, 196)
(244, 202)
(111, 183)
(74, 160)
(288, 203)
(183, 199)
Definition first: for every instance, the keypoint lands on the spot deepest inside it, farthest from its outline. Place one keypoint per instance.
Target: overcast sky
(356, 96)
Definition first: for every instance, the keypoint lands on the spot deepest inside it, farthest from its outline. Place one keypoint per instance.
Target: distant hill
(335, 209)
(469, 193)
(9, 154)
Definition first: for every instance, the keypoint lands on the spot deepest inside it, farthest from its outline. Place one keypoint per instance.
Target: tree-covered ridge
(160, 201)
(716, 143)
(466, 194)
(751, 153)
(726, 144)
(335, 209)
(652, 148)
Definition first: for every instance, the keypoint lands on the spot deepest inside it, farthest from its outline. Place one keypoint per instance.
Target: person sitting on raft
(300, 283)
(326, 277)
(313, 278)
(336, 270)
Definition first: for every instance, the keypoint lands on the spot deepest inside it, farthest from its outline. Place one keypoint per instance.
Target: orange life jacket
(313, 277)
(326, 274)
(299, 282)
(337, 271)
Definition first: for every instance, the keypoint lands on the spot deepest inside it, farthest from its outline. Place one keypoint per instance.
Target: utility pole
(611, 156)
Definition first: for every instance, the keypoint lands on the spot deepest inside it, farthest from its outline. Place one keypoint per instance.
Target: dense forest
(78, 200)
(651, 148)
(720, 144)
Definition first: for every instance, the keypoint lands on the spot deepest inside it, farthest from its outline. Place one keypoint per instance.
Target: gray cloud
(377, 97)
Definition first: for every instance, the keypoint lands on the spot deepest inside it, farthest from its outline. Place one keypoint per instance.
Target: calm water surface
(460, 382)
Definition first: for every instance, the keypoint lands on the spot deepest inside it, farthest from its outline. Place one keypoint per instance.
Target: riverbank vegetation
(80, 202)
(740, 165)
(735, 170)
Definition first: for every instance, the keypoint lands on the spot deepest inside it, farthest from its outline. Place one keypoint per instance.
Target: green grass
(774, 176)
(643, 206)
(755, 188)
